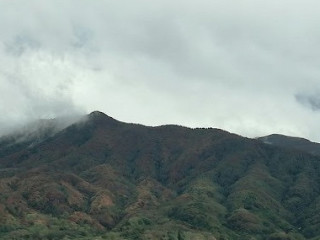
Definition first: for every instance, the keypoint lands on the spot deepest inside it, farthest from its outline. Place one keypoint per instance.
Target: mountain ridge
(291, 142)
(104, 179)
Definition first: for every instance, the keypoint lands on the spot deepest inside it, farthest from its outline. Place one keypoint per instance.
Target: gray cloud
(310, 101)
(20, 44)
(236, 65)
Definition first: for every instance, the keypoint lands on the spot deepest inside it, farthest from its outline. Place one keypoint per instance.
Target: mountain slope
(292, 143)
(113, 180)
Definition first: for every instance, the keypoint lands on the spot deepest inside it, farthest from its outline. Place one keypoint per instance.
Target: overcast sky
(251, 67)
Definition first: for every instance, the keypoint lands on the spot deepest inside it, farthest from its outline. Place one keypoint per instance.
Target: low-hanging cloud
(34, 85)
(237, 65)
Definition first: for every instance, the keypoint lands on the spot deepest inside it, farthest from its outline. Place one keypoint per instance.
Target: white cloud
(237, 65)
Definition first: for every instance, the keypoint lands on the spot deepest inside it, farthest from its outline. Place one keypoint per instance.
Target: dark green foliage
(135, 227)
(194, 215)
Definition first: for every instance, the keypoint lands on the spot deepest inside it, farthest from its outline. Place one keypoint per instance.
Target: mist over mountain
(100, 178)
(170, 71)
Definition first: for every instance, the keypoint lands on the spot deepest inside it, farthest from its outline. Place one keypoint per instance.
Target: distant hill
(292, 143)
(104, 179)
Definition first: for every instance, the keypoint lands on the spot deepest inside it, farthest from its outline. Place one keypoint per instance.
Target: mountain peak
(97, 114)
(100, 117)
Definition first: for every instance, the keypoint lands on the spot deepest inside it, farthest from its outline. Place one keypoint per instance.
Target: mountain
(292, 143)
(104, 179)
(34, 132)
